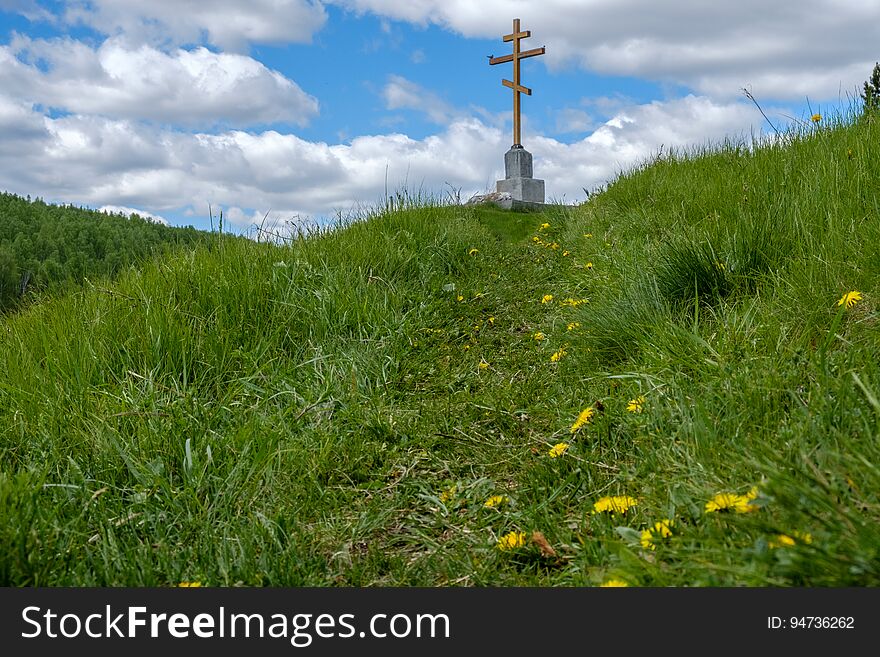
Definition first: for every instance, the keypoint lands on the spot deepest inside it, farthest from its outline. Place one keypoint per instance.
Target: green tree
(871, 94)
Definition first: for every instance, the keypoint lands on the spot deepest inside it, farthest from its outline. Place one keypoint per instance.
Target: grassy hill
(658, 387)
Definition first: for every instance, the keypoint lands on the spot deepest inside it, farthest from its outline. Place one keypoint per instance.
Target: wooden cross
(515, 85)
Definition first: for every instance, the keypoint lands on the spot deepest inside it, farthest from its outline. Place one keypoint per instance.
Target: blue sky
(304, 109)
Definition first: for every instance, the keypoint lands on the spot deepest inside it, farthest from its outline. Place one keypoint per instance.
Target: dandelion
(635, 405)
(571, 326)
(816, 118)
(850, 299)
(511, 541)
(661, 529)
(539, 336)
(614, 504)
(473, 252)
(459, 298)
(484, 365)
(466, 347)
(189, 585)
(565, 254)
(781, 540)
(491, 320)
(544, 226)
(557, 356)
(536, 239)
(589, 266)
(558, 450)
(614, 583)
(495, 501)
(588, 234)
(733, 502)
(547, 298)
(448, 494)
(585, 416)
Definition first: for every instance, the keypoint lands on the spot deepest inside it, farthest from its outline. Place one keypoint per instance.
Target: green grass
(338, 411)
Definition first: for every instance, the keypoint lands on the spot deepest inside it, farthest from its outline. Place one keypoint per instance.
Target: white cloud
(572, 120)
(99, 162)
(784, 50)
(229, 24)
(185, 87)
(401, 93)
(127, 212)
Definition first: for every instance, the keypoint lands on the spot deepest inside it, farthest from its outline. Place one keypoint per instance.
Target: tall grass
(339, 410)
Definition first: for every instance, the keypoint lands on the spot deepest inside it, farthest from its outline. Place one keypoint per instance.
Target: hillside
(48, 248)
(660, 382)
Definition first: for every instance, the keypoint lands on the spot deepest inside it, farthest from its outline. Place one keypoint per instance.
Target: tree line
(45, 247)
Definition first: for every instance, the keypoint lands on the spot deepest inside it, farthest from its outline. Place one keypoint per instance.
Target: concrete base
(518, 181)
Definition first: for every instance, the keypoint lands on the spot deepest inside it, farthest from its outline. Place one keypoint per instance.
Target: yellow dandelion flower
(585, 416)
(588, 234)
(491, 320)
(850, 299)
(459, 298)
(589, 266)
(448, 494)
(571, 326)
(495, 501)
(614, 504)
(614, 583)
(635, 405)
(557, 356)
(566, 253)
(816, 118)
(536, 239)
(547, 298)
(473, 252)
(189, 585)
(661, 529)
(483, 365)
(466, 347)
(544, 226)
(558, 450)
(539, 336)
(781, 540)
(511, 541)
(733, 502)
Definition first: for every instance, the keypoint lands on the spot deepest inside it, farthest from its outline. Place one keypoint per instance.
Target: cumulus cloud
(784, 50)
(186, 87)
(132, 165)
(400, 93)
(127, 212)
(228, 24)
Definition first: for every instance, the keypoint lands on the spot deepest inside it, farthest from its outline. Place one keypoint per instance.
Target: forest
(46, 248)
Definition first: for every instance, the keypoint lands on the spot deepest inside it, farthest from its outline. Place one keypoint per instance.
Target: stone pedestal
(518, 181)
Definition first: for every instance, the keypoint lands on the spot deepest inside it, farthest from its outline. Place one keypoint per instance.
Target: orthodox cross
(515, 85)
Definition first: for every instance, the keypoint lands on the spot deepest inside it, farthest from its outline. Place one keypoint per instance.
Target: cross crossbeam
(518, 88)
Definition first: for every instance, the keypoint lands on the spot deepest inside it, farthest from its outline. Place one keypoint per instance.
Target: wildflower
(554, 245)
(571, 326)
(189, 585)
(566, 254)
(588, 234)
(719, 265)
(816, 118)
(473, 252)
(574, 303)
(635, 405)
(784, 540)
(539, 336)
(558, 450)
(547, 298)
(614, 583)
(585, 416)
(483, 365)
(495, 501)
(733, 502)
(466, 347)
(662, 529)
(589, 266)
(850, 299)
(614, 504)
(448, 494)
(544, 226)
(536, 239)
(511, 541)
(557, 356)
(459, 298)
(491, 320)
